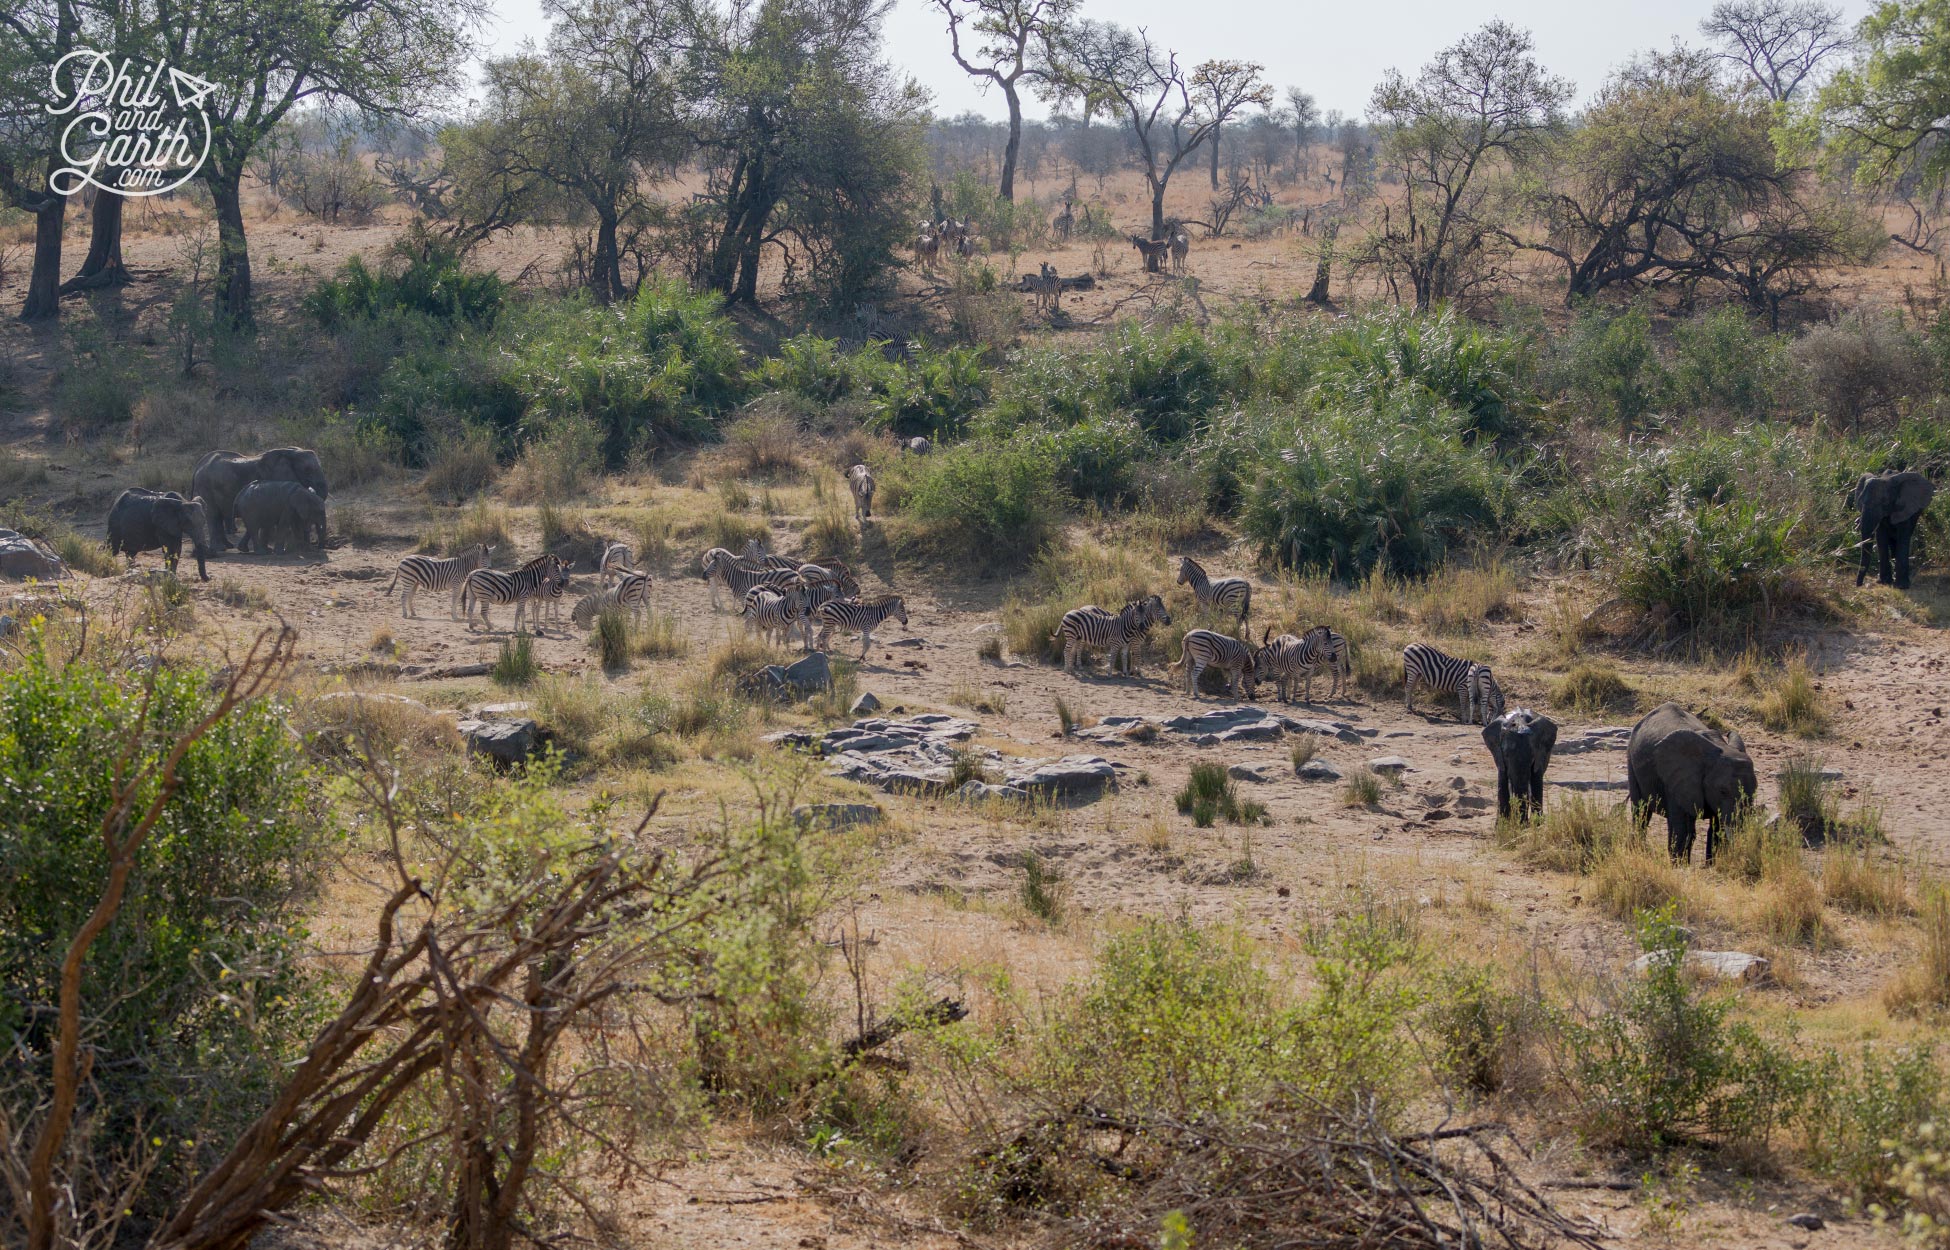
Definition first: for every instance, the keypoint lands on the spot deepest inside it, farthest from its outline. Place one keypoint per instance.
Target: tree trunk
(1008, 188)
(1157, 224)
(44, 283)
(605, 270)
(1215, 158)
(103, 265)
(233, 294)
(1323, 270)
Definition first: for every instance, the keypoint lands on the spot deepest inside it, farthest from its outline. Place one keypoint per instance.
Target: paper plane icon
(190, 90)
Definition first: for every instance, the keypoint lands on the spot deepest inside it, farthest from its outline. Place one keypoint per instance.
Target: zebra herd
(779, 597)
(1285, 661)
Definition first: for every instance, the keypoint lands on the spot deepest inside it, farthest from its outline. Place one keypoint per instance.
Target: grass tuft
(515, 665)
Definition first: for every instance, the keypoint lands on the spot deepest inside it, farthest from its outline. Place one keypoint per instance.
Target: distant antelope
(927, 248)
(1153, 251)
(1181, 243)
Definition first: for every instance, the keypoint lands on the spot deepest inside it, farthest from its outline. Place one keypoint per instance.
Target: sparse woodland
(336, 909)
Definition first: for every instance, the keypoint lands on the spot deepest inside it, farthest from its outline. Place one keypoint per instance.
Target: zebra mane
(883, 601)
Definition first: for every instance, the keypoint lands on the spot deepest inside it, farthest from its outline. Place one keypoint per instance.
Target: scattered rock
(800, 679)
(1070, 777)
(1319, 770)
(1327, 729)
(1253, 772)
(1388, 764)
(1727, 965)
(501, 711)
(358, 697)
(21, 558)
(1473, 803)
(837, 815)
(506, 742)
(1808, 1221)
(1399, 733)
(1607, 738)
(977, 791)
(865, 704)
(1440, 813)
(1587, 785)
(1232, 724)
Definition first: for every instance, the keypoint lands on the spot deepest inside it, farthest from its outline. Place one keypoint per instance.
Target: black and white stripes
(1284, 659)
(859, 480)
(1228, 594)
(1203, 649)
(1092, 626)
(490, 587)
(854, 615)
(1473, 684)
(433, 574)
(632, 591)
(776, 614)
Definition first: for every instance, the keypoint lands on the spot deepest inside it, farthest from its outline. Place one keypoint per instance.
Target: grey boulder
(978, 791)
(837, 815)
(866, 704)
(1319, 770)
(508, 743)
(1070, 777)
(1253, 772)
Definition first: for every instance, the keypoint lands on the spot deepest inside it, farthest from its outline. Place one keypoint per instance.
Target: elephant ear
(1737, 742)
(1493, 739)
(1546, 734)
(1912, 494)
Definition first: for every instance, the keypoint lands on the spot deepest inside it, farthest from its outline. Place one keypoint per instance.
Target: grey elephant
(1520, 741)
(1674, 763)
(144, 520)
(1890, 505)
(276, 514)
(222, 475)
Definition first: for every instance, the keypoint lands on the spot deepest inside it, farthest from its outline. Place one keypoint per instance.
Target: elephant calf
(1520, 741)
(1890, 505)
(1674, 763)
(277, 513)
(144, 520)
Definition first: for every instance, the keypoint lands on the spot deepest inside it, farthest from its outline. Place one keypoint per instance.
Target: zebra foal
(432, 574)
(1092, 626)
(851, 615)
(1473, 684)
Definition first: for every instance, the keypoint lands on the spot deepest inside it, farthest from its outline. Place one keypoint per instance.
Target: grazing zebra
(927, 246)
(432, 574)
(859, 480)
(1092, 626)
(532, 580)
(1204, 648)
(774, 613)
(618, 560)
(1286, 658)
(632, 591)
(919, 445)
(1230, 593)
(848, 615)
(834, 574)
(1470, 682)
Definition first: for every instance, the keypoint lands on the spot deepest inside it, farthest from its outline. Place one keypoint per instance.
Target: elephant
(1891, 504)
(1675, 763)
(143, 520)
(275, 514)
(222, 475)
(1520, 741)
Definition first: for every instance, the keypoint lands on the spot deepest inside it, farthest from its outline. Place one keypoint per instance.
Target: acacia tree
(384, 57)
(1007, 35)
(1482, 105)
(1890, 112)
(1778, 43)
(1167, 111)
(592, 119)
(1673, 179)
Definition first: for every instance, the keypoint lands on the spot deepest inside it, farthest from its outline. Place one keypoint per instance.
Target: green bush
(1663, 1065)
(1394, 490)
(1606, 365)
(817, 369)
(194, 989)
(1717, 569)
(1441, 359)
(1726, 363)
(993, 505)
(424, 276)
(932, 392)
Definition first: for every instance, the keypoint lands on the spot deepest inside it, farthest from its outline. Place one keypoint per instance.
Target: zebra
(859, 480)
(618, 560)
(1285, 658)
(833, 573)
(532, 580)
(1048, 288)
(1181, 243)
(772, 612)
(1235, 593)
(848, 615)
(755, 556)
(631, 591)
(1092, 626)
(740, 581)
(1153, 250)
(431, 574)
(1204, 648)
(1470, 682)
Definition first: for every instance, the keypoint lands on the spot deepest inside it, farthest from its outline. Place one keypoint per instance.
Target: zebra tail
(389, 585)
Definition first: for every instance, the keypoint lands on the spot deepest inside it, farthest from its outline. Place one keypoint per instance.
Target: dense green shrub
(1606, 366)
(994, 505)
(817, 369)
(1364, 489)
(1397, 354)
(933, 391)
(424, 276)
(1725, 363)
(193, 989)
(1722, 569)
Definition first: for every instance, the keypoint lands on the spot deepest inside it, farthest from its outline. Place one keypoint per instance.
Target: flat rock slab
(978, 791)
(1253, 772)
(1319, 770)
(1587, 785)
(874, 735)
(837, 815)
(1073, 776)
(1608, 738)
(1388, 764)
(1726, 965)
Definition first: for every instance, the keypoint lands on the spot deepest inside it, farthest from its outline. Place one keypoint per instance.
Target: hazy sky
(1336, 51)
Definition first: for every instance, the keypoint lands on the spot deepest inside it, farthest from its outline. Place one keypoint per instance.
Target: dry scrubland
(1167, 987)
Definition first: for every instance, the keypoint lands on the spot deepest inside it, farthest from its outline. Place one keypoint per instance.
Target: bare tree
(1303, 114)
(1482, 103)
(1167, 111)
(1780, 43)
(1007, 37)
